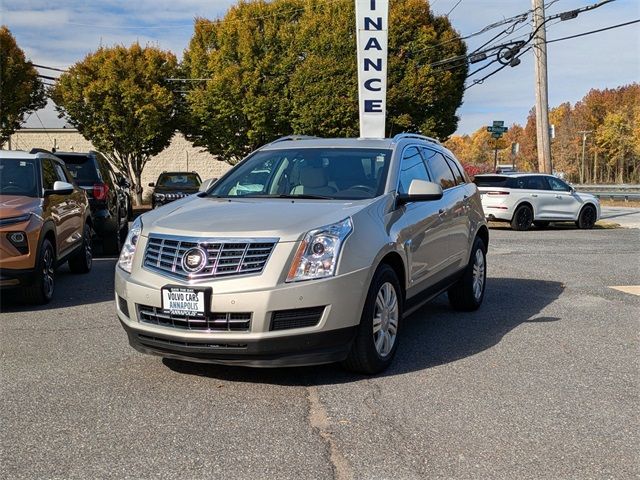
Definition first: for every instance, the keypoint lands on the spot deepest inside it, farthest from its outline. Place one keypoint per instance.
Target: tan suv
(44, 222)
(309, 251)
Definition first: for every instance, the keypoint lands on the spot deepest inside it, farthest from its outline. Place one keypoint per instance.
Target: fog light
(19, 240)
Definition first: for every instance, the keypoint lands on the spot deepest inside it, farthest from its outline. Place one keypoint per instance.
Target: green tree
(21, 91)
(119, 98)
(289, 66)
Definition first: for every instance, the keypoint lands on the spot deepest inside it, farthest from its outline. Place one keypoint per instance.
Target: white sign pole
(372, 32)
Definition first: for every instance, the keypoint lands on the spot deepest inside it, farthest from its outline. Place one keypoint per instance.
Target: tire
(587, 217)
(112, 243)
(41, 291)
(541, 223)
(468, 292)
(522, 218)
(82, 260)
(373, 351)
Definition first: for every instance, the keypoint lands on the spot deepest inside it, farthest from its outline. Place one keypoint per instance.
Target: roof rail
(402, 136)
(289, 138)
(42, 150)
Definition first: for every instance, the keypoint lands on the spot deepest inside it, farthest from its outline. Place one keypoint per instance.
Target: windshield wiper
(304, 196)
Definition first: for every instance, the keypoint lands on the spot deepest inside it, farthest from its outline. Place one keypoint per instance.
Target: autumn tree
(21, 91)
(289, 66)
(119, 98)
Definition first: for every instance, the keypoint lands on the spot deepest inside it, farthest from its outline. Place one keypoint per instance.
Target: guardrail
(623, 192)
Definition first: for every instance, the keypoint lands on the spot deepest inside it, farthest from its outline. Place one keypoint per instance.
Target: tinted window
(49, 175)
(494, 181)
(60, 172)
(412, 167)
(178, 180)
(82, 168)
(558, 185)
(456, 171)
(18, 177)
(439, 169)
(327, 172)
(532, 182)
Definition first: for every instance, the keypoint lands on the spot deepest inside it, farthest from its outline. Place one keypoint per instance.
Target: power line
(48, 68)
(594, 31)
(453, 8)
(44, 128)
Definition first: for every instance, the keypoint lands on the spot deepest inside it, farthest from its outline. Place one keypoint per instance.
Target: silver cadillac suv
(309, 251)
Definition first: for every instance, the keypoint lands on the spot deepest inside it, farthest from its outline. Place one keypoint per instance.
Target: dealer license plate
(183, 301)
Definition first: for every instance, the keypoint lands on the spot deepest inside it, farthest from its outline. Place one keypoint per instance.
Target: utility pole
(542, 92)
(584, 142)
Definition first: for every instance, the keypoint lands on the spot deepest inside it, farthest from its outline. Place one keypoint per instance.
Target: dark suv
(173, 186)
(109, 196)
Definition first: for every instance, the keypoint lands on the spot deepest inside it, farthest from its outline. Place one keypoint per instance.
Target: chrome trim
(213, 256)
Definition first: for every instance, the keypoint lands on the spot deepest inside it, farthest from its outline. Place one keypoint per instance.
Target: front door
(565, 205)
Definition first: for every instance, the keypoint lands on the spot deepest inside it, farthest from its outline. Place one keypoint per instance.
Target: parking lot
(541, 382)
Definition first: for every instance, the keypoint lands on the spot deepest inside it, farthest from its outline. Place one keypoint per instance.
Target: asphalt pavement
(542, 382)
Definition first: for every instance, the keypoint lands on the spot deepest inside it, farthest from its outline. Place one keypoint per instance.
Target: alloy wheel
(48, 272)
(478, 274)
(385, 319)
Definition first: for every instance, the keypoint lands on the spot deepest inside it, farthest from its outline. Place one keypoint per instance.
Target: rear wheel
(522, 218)
(587, 218)
(42, 289)
(541, 223)
(82, 260)
(377, 338)
(468, 292)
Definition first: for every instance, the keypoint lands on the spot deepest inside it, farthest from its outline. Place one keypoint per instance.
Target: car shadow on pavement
(71, 290)
(432, 336)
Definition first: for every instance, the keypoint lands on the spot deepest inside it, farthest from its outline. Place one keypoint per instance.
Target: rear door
(452, 246)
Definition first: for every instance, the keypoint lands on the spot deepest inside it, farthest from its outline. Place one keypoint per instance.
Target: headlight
(12, 220)
(125, 261)
(318, 254)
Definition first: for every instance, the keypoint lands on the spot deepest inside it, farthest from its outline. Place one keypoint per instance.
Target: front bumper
(327, 341)
(12, 278)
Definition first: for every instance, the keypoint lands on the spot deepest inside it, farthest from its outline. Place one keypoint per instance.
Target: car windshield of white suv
(317, 173)
(18, 177)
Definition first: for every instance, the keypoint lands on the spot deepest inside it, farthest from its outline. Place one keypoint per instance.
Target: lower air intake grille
(211, 322)
(296, 318)
(169, 342)
(123, 306)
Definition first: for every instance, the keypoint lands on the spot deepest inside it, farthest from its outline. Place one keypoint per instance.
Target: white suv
(524, 199)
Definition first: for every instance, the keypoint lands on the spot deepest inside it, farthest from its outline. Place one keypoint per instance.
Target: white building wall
(180, 155)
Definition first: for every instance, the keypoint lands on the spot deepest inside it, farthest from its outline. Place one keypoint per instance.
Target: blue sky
(61, 33)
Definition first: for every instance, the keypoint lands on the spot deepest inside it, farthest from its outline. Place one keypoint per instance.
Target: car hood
(285, 219)
(16, 205)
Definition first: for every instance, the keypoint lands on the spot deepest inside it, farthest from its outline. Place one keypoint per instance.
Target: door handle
(558, 196)
(534, 194)
(441, 212)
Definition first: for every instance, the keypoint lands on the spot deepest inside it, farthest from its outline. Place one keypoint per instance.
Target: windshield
(178, 180)
(18, 177)
(331, 173)
(81, 168)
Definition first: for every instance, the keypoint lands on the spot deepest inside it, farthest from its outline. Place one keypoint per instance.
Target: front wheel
(468, 292)
(41, 291)
(377, 338)
(587, 218)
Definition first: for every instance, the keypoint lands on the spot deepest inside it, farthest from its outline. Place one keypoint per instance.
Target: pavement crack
(319, 421)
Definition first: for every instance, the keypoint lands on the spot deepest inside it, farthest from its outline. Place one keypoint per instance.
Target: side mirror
(420, 191)
(204, 186)
(152, 184)
(60, 188)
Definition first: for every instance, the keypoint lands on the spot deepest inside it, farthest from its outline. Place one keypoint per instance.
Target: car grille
(225, 258)
(210, 322)
(296, 318)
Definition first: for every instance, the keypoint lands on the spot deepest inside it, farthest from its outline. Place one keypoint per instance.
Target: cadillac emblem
(194, 260)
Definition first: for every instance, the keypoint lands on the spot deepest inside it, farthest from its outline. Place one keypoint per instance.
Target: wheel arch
(526, 203)
(394, 260)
